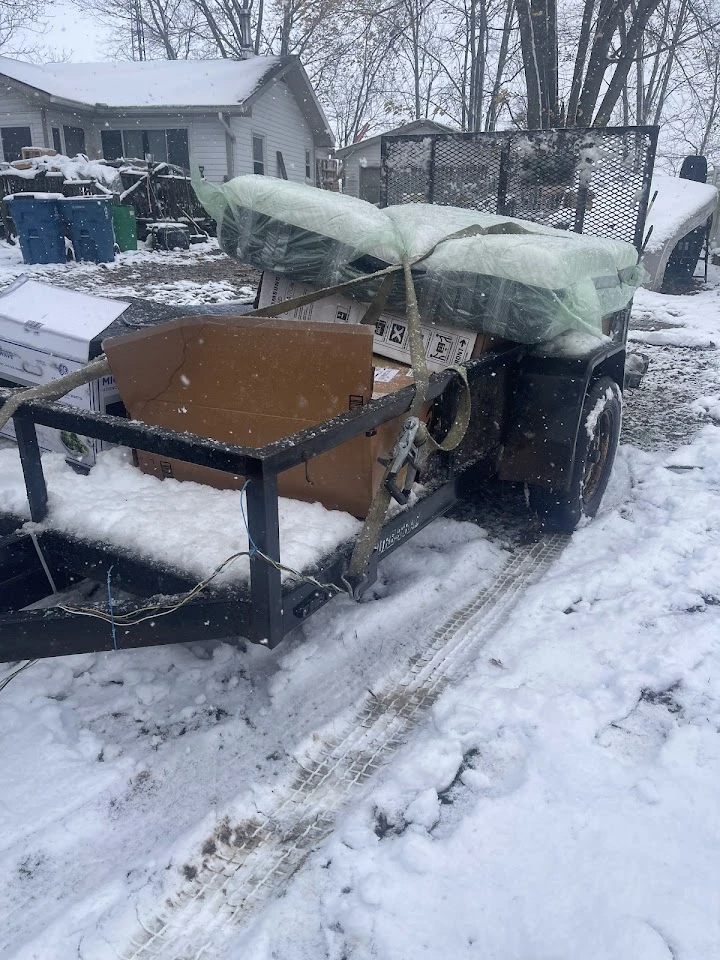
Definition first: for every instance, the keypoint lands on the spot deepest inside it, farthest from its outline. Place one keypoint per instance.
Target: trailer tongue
(546, 417)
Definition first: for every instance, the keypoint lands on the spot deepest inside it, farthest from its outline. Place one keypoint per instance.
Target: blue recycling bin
(39, 225)
(91, 227)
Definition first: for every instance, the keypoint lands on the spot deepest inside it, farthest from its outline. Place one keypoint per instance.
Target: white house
(230, 117)
(361, 160)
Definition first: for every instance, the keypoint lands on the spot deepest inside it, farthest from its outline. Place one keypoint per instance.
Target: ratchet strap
(369, 535)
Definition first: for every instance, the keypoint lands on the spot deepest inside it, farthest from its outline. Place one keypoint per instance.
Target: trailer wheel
(597, 442)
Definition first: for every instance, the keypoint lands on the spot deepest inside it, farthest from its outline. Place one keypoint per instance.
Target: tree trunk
(492, 113)
(670, 61)
(580, 58)
(258, 26)
(607, 23)
(645, 10)
(530, 65)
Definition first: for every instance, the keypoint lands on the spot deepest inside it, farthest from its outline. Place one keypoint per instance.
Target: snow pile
(678, 321)
(120, 506)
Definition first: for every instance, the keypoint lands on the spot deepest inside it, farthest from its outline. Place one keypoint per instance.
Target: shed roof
(413, 127)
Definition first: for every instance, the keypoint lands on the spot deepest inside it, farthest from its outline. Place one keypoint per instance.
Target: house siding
(369, 157)
(16, 110)
(276, 117)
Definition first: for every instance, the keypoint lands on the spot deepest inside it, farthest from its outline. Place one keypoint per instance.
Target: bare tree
(23, 24)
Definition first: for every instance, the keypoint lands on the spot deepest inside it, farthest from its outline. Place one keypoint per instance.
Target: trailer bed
(187, 528)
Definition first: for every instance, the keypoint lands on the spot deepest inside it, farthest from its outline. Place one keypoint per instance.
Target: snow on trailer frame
(516, 393)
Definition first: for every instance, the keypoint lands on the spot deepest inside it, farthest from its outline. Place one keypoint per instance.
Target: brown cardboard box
(250, 382)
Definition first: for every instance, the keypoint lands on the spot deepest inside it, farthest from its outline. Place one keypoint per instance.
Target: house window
(163, 146)
(112, 145)
(258, 146)
(177, 147)
(74, 141)
(57, 144)
(13, 140)
(308, 165)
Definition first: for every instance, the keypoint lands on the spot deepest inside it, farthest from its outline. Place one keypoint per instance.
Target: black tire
(594, 457)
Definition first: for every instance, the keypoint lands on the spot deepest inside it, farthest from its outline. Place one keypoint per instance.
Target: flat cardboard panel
(250, 382)
(299, 371)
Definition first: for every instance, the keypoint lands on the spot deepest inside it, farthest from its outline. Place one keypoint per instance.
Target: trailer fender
(544, 419)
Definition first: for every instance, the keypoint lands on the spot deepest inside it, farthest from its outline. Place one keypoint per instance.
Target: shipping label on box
(444, 346)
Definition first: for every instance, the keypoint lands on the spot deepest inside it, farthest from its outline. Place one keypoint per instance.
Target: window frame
(15, 128)
(263, 162)
(308, 163)
(144, 136)
(73, 130)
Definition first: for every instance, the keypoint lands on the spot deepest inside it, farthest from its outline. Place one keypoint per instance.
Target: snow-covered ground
(200, 275)
(559, 801)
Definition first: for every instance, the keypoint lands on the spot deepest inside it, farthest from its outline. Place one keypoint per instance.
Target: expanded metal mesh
(590, 180)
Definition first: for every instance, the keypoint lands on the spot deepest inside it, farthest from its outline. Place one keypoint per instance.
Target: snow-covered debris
(678, 202)
(72, 169)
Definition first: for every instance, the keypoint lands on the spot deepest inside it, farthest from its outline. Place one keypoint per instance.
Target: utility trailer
(543, 418)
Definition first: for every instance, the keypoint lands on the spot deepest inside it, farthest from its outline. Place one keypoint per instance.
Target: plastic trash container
(125, 225)
(90, 221)
(39, 225)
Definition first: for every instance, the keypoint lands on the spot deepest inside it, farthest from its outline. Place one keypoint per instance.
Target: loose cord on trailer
(11, 676)
(133, 618)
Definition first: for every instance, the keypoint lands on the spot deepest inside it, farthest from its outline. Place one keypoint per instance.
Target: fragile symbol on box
(397, 334)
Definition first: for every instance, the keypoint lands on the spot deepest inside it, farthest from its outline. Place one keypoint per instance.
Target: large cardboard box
(444, 346)
(250, 382)
(47, 332)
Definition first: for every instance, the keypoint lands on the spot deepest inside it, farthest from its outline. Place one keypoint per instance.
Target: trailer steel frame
(511, 385)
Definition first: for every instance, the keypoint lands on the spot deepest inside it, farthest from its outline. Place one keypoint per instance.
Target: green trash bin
(125, 226)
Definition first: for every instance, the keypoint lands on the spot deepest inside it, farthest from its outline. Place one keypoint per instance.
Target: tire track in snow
(246, 864)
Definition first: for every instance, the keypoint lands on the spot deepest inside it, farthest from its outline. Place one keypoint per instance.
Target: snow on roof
(148, 83)
(413, 127)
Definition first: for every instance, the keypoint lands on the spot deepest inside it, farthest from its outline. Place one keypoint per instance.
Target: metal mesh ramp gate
(590, 180)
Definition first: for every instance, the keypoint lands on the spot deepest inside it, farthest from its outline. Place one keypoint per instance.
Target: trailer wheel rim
(597, 456)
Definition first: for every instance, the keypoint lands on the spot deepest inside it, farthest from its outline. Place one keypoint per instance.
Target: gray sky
(76, 33)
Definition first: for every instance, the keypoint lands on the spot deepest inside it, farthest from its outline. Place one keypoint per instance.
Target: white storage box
(47, 332)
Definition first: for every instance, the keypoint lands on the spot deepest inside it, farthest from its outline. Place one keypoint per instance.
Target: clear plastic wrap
(511, 278)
